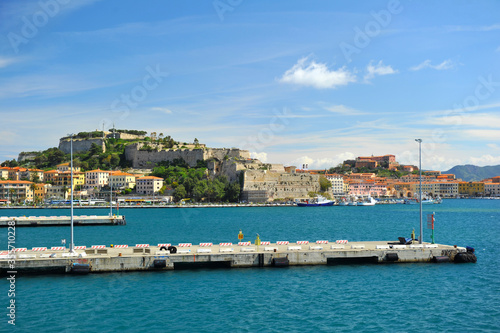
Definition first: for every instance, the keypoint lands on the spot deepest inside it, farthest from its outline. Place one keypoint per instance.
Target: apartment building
(471, 188)
(96, 179)
(16, 190)
(148, 185)
(492, 189)
(337, 182)
(65, 167)
(121, 180)
(64, 179)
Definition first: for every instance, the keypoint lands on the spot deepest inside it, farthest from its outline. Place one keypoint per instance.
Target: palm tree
(33, 189)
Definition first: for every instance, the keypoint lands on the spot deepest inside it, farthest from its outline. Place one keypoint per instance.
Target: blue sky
(294, 82)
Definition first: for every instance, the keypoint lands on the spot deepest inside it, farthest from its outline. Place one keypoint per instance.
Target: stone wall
(278, 185)
(125, 136)
(143, 158)
(80, 145)
(26, 157)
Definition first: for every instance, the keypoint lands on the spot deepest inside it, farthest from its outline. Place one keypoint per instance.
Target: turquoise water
(364, 298)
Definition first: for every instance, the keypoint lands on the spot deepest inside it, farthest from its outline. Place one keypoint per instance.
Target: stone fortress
(261, 182)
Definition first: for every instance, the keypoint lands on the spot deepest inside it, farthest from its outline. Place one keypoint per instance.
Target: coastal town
(248, 179)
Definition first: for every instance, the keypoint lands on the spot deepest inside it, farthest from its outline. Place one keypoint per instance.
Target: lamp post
(71, 244)
(111, 194)
(420, 188)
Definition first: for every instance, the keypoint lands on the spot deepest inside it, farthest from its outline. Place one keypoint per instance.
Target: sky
(294, 82)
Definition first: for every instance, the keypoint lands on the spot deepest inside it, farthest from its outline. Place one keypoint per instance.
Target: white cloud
(164, 110)
(4, 62)
(317, 75)
(477, 120)
(342, 109)
(378, 69)
(490, 135)
(493, 146)
(447, 64)
(260, 156)
(474, 28)
(321, 163)
(485, 160)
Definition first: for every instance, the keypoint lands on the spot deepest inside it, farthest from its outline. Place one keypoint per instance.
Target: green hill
(470, 172)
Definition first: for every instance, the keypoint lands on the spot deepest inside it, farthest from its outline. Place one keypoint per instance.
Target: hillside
(470, 172)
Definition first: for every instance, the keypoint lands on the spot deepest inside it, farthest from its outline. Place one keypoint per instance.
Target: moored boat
(316, 202)
(368, 201)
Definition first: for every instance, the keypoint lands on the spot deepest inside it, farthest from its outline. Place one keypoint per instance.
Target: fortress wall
(80, 145)
(149, 159)
(278, 185)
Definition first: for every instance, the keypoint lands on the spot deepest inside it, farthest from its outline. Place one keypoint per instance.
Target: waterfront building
(58, 192)
(337, 182)
(64, 179)
(40, 191)
(148, 185)
(96, 179)
(368, 188)
(16, 190)
(446, 189)
(471, 188)
(492, 189)
(50, 176)
(121, 180)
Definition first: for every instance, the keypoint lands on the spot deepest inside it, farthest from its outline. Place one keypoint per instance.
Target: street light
(420, 190)
(72, 243)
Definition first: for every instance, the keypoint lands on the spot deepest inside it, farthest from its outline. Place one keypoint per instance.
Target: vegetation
(10, 164)
(133, 132)
(380, 171)
(324, 183)
(194, 182)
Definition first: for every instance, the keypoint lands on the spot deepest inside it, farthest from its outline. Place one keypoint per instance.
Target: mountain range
(470, 172)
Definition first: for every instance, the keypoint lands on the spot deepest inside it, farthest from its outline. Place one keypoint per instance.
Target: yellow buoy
(257, 240)
(240, 236)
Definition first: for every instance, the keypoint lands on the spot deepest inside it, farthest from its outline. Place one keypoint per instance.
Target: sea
(414, 297)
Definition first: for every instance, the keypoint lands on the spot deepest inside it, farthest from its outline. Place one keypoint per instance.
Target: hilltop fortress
(260, 181)
(144, 155)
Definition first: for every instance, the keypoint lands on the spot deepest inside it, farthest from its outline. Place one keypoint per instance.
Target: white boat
(369, 201)
(317, 202)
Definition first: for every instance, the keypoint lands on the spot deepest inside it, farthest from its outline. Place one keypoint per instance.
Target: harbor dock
(143, 257)
(51, 221)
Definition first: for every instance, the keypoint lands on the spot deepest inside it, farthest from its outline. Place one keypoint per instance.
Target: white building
(492, 189)
(148, 185)
(96, 179)
(121, 180)
(337, 183)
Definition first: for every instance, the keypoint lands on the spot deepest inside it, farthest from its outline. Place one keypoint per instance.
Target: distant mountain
(474, 173)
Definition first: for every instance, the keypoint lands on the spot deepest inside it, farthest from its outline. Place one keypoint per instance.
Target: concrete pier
(51, 221)
(143, 257)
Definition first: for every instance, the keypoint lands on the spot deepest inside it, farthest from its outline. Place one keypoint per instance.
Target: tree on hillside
(324, 183)
(179, 193)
